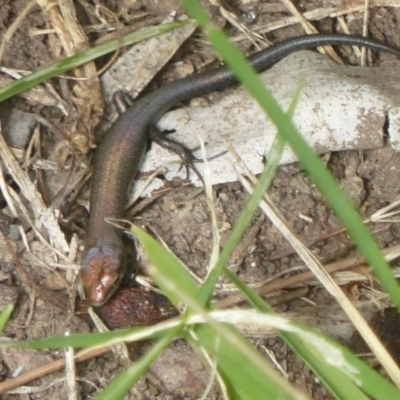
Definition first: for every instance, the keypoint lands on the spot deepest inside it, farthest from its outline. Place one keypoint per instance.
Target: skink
(119, 155)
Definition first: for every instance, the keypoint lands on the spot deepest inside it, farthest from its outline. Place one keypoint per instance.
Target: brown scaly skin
(103, 268)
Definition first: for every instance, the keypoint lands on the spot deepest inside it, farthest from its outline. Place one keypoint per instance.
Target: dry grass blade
(211, 206)
(386, 214)
(42, 216)
(365, 29)
(70, 373)
(88, 97)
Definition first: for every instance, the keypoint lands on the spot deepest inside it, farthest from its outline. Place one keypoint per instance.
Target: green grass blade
(5, 316)
(69, 63)
(79, 340)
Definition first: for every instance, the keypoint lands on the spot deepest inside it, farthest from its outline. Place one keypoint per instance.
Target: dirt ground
(180, 216)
